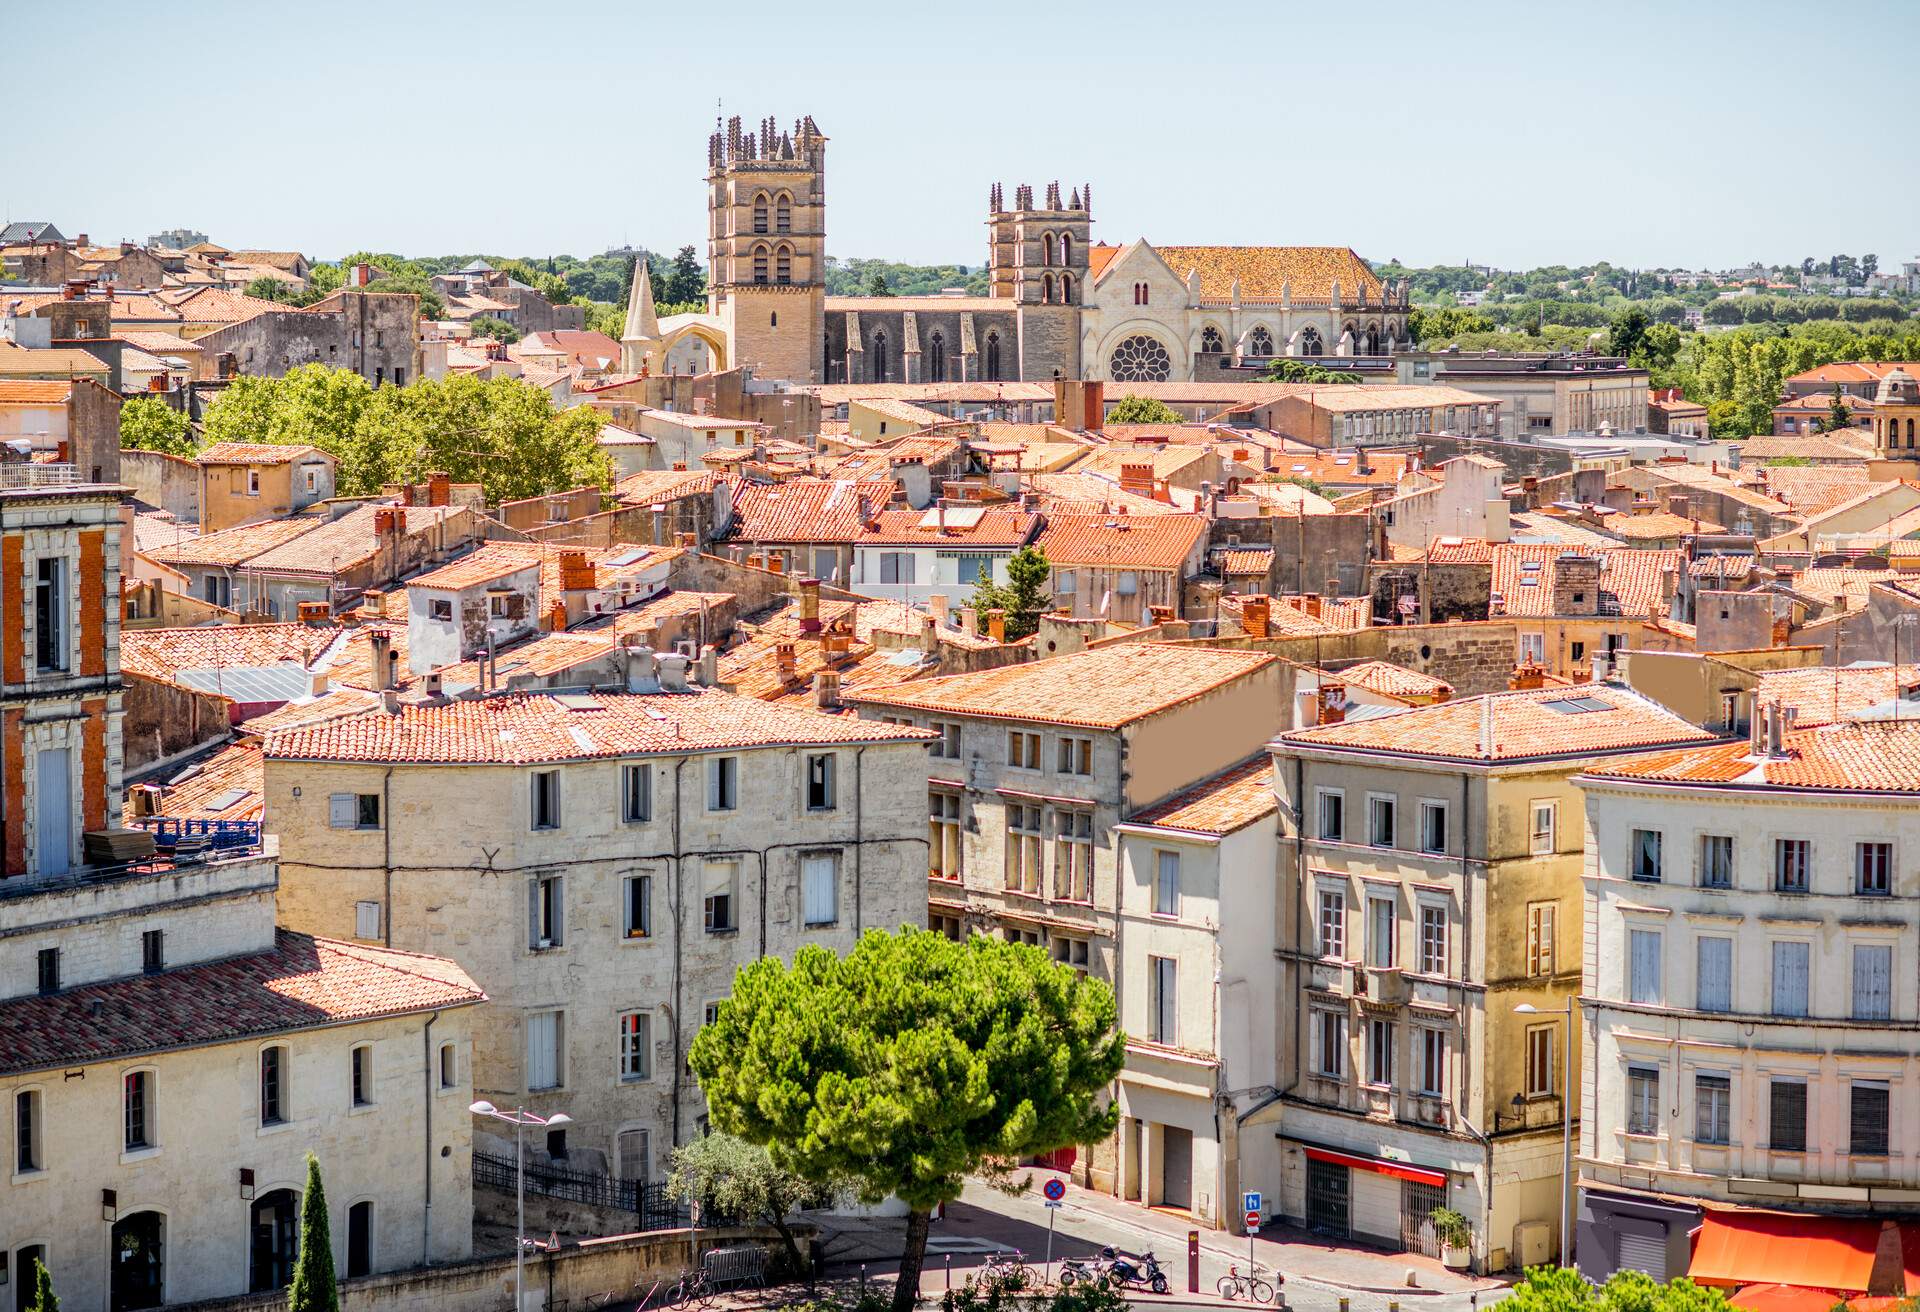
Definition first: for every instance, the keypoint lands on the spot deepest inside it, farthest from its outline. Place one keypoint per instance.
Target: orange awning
(1784, 1298)
(1819, 1252)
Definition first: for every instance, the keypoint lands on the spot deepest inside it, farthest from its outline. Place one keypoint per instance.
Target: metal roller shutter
(1646, 1253)
(1376, 1206)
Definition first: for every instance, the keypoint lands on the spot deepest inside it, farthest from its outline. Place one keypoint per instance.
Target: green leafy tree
(1286, 370)
(1838, 415)
(738, 1179)
(1659, 346)
(149, 424)
(909, 1064)
(877, 284)
(1025, 596)
(686, 279)
(1563, 1289)
(610, 318)
(1628, 333)
(1438, 326)
(1131, 409)
(485, 325)
(43, 1298)
(269, 289)
(314, 1288)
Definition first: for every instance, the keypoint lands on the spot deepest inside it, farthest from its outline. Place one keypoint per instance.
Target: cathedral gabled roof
(1306, 272)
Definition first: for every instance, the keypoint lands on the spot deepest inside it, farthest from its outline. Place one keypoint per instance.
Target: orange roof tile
(226, 786)
(1824, 694)
(327, 706)
(651, 485)
(1307, 272)
(33, 391)
(1391, 680)
(302, 983)
(160, 653)
(1245, 560)
(1879, 756)
(1102, 689)
(1631, 580)
(525, 728)
(966, 526)
(1656, 527)
(256, 453)
(343, 543)
(1229, 801)
(805, 510)
(233, 546)
(1155, 542)
(1587, 720)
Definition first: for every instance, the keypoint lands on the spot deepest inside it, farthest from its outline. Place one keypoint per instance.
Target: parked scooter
(1135, 1272)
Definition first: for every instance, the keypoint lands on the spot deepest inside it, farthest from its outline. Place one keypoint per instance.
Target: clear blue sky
(1512, 133)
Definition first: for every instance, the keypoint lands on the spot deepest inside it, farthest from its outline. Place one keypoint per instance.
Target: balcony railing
(34, 474)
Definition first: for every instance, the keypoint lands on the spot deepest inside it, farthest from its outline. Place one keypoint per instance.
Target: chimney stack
(439, 489)
(1330, 705)
(1527, 675)
(673, 672)
(826, 689)
(969, 620)
(576, 572)
(997, 625)
(937, 607)
(1256, 612)
(640, 672)
(380, 649)
(786, 662)
(809, 605)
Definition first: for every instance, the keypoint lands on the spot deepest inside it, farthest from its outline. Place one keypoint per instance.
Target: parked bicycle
(1008, 1266)
(694, 1287)
(1233, 1285)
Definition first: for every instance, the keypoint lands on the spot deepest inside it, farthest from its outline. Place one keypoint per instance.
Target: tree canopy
(1023, 597)
(1131, 409)
(502, 433)
(738, 1179)
(910, 1063)
(1562, 1289)
(149, 424)
(1289, 370)
(485, 325)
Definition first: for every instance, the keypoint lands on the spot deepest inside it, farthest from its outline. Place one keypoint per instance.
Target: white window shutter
(820, 890)
(343, 810)
(542, 1050)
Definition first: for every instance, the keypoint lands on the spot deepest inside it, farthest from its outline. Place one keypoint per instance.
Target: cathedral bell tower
(766, 246)
(1037, 258)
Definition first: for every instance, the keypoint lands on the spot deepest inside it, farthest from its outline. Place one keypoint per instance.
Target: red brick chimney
(809, 605)
(439, 489)
(1137, 479)
(1256, 612)
(1330, 706)
(576, 572)
(786, 662)
(1527, 675)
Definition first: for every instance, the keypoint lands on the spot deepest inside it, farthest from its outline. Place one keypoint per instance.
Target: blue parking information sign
(1252, 1201)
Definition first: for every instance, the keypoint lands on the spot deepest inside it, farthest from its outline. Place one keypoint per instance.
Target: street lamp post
(1566, 1120)
(519, 1119)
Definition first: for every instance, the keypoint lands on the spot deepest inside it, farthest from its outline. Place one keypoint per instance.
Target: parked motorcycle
(1135, 1272)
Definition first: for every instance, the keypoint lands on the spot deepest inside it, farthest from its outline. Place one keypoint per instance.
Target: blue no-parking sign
(1054, 1190)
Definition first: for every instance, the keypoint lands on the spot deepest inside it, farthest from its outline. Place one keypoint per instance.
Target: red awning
(1819, 1252)
(1398, 1170)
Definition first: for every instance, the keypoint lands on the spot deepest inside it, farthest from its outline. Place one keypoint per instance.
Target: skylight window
(1577, 705)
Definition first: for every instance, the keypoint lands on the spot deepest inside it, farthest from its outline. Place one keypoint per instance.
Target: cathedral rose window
(1140, 359)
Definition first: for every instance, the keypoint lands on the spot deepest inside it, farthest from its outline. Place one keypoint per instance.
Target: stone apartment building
(1429, 885)
(375, 334)
(167, 1058)
(601, 862)
(1195, 930)
(1033, 767)
(244, 482)
(1751, 1011)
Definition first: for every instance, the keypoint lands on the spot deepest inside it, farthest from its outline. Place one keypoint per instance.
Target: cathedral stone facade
(1058, 306)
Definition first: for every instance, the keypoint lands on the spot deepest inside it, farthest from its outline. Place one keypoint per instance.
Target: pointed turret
(640, 339)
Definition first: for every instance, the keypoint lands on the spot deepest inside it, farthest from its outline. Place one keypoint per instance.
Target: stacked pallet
(112, 847)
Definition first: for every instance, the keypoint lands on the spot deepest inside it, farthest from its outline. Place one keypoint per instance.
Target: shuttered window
(543, 1050)
(1380, 932)
(1643, 1100)
(546, 913)
(1872, 981)
(1714, 956)
(1712, 1104)
(1716, 861)
(1333, 924)
(1790, 978)
(1645, 862)
(1792, 859)
(1163, 973)
(820, 889)
(1867, 1119)
(1643, 966)
(1787, 1116)
(1541, 917)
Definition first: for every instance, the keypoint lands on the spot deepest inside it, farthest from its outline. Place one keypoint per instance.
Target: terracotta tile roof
(805, 510)
(1341, 614)
(302, 983)
(1099, 256)
(1813, 405)
(1852, 371)
(1546, 526)
(1155, 542)
(1165, 459)
(1831, 585)
(1704, 479)
(255, 453)
(1880, 756)
(156, 529)
(1091, 494)
(651, 485)
(226, 786)
(1824, 694)
(1394, 396)
(922, 448)
(327, 706)
(1229, 801)
(233, 546)
(1721, 569)
(528, 728)
(487, 563)
(53, 361)
(346, 542)
(1103, 688)
(1307, 272)
(1391, 680)
(1245, 560)
(349, 662)
(1283, 621)
(1815, 489)
(1290, 498)
(33, 391)
(1457, 551)
(904, 411)
(498, 560)
(966, 526)
(1524, 725)
(1342, 468)
(586, 349)
(1631, 580)
(161, 653)
(217, 305)
(1655, 527)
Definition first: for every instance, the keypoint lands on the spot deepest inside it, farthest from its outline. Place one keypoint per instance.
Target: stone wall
(93, 431)
(375, 334)
(1474, 658)
(1522, 459)
(170, 483)
(1310, 552)
(569, 1275)
(164, 719)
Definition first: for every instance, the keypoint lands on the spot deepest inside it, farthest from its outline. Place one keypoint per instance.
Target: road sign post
(1193, 1261)
(1055, 1189)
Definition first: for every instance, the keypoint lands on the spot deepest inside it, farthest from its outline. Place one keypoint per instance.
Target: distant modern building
(1540, 395)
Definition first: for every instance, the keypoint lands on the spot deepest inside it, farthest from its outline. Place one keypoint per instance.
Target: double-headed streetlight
(519, 1119)
(1566, 1118)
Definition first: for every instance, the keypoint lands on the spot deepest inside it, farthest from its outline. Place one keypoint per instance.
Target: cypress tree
(43, 1296)
(314, 1288)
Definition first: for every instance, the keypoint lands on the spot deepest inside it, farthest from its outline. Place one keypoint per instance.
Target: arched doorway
(139, 1262)
(273, 1239)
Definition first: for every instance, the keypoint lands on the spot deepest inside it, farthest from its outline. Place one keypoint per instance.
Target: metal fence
(37, 474)
(651, 1203)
